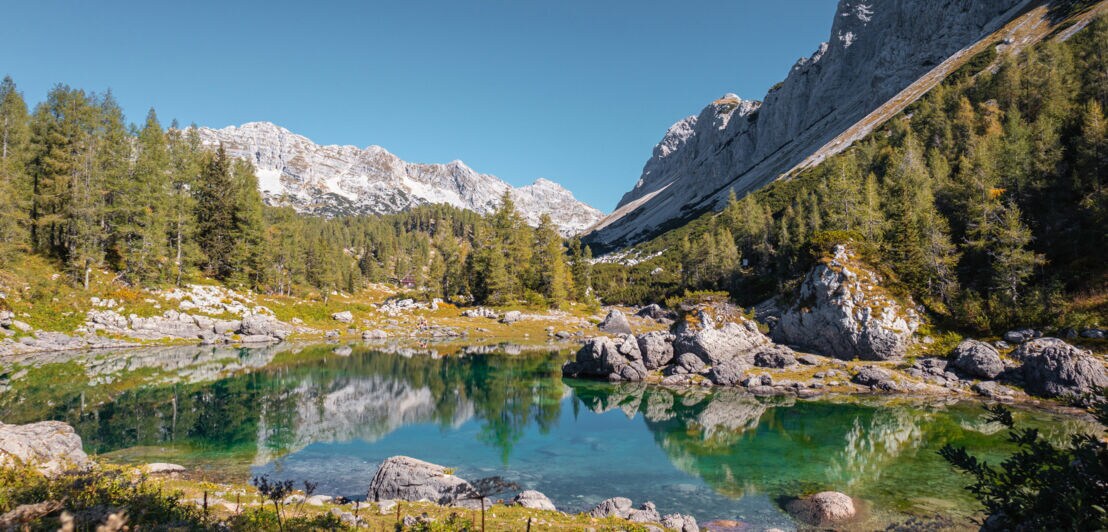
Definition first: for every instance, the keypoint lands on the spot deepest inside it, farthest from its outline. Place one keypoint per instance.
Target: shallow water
(307, 413)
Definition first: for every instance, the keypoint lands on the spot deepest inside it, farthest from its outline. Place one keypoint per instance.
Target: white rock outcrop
(842, 311)
(409, 479)
(334, 180)
(51, 447)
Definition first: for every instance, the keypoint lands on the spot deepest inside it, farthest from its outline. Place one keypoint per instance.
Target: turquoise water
(310, 414)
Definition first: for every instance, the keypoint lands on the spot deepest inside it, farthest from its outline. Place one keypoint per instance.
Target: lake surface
(321, 414)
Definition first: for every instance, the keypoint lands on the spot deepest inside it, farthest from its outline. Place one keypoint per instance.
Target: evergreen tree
(215, 204)
(549, 262)
(1012, 262)
(141, 208)
(14, 144)
(186, 163)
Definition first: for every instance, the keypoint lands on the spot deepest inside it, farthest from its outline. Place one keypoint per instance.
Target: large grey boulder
(874, 377)
(977, 359)
(534, 500)
(1020, 336)
(1053, 368)
(823, 508)
(727, 373)
(409, 479)
(615, 323)
(680, 522)
(730, 342)
(647, 513)
(656, 348)
(511, 317)
(171, 324)
(842, 311)
(51, 447)
(263, 325)
(615, 360)
(343, 317)
(614, 507)
(775, 359)
(655, 312)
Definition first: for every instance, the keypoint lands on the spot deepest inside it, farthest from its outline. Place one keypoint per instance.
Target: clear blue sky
(577, 91)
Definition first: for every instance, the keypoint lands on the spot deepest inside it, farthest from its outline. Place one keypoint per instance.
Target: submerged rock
(843, 311)
(824, 508)
(51, 447)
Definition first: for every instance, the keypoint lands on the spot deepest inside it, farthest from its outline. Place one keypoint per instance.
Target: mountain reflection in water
(309, 413)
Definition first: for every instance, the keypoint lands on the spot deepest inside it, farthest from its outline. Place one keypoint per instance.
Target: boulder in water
(824, 508)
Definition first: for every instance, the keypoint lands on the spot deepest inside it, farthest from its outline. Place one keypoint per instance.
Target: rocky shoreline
(53, 449)
(863, 336)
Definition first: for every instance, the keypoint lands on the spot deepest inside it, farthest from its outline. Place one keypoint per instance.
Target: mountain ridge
(876, 51)
(334, 180)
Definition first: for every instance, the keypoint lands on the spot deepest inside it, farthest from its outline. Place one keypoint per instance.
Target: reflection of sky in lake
(309, 414)
(577, 464)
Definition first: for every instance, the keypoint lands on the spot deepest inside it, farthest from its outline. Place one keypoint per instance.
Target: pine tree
(247, 220)
(549, 262)
(141, 208)
(1092, 156)
(14, 145)
(580, 262)
(1012, 262)
(215, 204)
(186, 163)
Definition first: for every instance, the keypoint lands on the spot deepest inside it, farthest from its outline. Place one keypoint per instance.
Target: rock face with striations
(876, 49)
(333, 180)
(842, 311)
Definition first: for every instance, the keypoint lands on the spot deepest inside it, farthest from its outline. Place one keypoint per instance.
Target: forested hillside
(985, 200)
(83, 189)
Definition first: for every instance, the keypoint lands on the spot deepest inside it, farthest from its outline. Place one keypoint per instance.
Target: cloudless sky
(577, 91)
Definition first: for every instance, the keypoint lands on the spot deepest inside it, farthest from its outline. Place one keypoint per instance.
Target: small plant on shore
(274, 491)
(1041, 486)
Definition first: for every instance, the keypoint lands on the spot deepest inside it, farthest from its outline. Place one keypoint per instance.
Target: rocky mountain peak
(875, 50)
(333, 180)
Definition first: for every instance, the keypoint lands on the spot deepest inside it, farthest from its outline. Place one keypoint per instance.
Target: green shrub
(1041, 486)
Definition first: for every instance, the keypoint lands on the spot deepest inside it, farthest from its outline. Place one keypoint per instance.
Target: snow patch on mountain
(336, 180)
